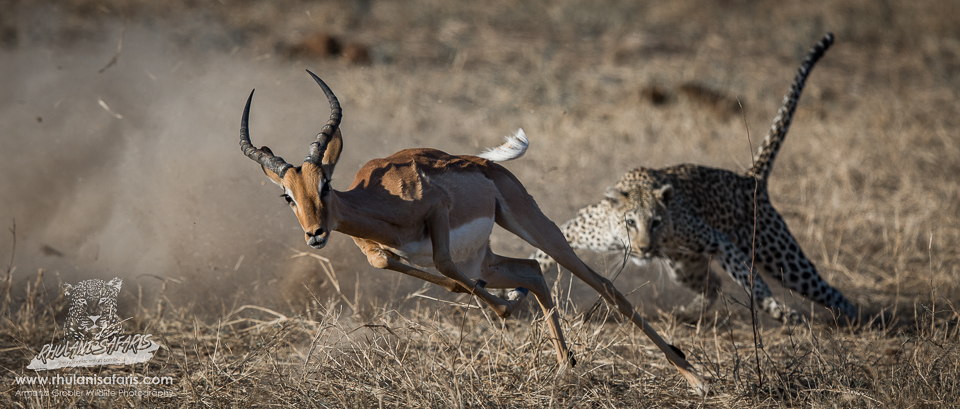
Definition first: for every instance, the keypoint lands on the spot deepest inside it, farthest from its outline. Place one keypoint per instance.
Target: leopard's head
(643, 213)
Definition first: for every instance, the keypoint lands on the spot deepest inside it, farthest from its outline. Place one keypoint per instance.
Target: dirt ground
(120, 159)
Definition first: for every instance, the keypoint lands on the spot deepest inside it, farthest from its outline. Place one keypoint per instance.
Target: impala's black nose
(317, 239)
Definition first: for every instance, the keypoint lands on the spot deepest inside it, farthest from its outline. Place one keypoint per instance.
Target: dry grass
(867, 181)
(455, 355)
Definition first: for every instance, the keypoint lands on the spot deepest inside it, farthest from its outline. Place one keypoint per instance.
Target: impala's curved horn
(263, 155)
(319, 147)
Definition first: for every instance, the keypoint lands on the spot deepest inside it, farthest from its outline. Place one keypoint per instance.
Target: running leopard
(688, 215)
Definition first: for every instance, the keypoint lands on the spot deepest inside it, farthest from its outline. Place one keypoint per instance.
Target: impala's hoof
(515, 297)
(518, 294)
(678, 352)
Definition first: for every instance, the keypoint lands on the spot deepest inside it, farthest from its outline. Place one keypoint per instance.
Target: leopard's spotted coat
(688, 215)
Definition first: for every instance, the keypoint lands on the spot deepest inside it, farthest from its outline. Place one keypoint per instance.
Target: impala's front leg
(508, 272)
(438, 224)
(379, 258)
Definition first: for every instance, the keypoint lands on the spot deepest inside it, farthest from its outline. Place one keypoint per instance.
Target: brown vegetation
(724, 107)
(322, 45)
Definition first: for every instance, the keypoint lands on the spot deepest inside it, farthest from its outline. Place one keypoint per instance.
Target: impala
(424, 207)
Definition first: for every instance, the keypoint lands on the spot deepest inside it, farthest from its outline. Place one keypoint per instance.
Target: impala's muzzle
(318, 238)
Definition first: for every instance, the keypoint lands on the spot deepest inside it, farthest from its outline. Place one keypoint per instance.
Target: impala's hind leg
(505, 272)
(519, 214)
(542, 233)
(581, 233)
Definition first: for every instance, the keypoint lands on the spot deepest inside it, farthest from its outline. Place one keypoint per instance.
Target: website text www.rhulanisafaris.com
(50, 386)
(127, 380)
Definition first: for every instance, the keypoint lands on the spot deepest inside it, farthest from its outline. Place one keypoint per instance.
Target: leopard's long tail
(763, 161)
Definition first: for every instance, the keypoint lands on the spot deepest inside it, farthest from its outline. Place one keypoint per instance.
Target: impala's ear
(332, 154)
(665, 194)
(274, 177)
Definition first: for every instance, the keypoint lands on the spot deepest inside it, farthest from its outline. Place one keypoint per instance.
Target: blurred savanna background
(120, 159)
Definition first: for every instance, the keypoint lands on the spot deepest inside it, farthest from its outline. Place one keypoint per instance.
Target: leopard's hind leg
(781, 256)
(738, 264)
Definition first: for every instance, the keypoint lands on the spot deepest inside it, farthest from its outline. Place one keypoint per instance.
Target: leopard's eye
(631, 223)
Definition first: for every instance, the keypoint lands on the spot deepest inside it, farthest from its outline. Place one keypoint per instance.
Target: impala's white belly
(466, 241)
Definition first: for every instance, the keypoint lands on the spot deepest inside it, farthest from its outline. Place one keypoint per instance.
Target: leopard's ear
(67, 289)
(616, 197)
(665, 194)
(115, 283)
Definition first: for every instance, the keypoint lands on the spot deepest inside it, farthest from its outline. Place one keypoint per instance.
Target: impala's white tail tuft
(514, 147)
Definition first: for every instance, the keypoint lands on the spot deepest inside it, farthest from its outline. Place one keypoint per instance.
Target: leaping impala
(424, 207)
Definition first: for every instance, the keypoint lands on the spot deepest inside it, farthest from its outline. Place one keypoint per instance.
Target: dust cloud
(133, 169)
(130, 166)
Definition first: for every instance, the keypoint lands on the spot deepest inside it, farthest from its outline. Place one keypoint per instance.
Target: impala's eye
(287, 198)
(655, 224)
(324, 188)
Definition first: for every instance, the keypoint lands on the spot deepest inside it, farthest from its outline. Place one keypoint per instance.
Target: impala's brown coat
(427, 207)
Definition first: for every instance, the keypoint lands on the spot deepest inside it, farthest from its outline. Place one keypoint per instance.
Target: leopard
(93, 310)
(686, 215)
